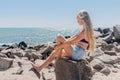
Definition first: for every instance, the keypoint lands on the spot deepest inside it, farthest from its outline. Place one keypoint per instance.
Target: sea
(33, 35)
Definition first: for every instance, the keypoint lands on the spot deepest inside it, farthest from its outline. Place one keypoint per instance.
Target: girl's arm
(72, 40)
(75, 38)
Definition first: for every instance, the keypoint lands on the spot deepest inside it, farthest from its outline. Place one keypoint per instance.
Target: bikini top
(85, 41)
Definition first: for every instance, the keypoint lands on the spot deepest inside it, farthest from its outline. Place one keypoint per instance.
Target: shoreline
(28, 43)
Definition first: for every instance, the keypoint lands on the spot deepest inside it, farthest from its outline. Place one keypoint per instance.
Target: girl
(75, 46)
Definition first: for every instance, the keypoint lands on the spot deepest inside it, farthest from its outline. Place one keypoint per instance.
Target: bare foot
(37, 68)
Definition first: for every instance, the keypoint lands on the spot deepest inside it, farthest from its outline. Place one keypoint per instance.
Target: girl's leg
(53, 55)
(67, 50)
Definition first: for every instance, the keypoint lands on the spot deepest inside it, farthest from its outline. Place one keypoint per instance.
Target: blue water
(31, 35)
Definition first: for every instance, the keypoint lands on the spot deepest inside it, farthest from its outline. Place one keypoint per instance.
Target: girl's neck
(84, 31)
(84, 28)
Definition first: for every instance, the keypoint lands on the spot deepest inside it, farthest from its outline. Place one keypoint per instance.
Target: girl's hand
(57, 44)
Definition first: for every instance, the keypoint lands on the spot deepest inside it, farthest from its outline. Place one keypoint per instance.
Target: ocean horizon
(32, 35)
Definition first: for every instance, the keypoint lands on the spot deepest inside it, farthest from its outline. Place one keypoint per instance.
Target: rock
(19, 71)
(26, 72)
(29, 71)
(107, 59)
(97, 34)
(66, 69)
(100, 30)
(5, 46)
(11, 53)
(39, 46)
(97, 64)
(116, 66)
(5, 63)
(46, 51)
(18, 77)
(5, 51)
(109, 38)
(105, 71)
(39, 61)
(98, 52)
(89, 58)
(33, 55)
(17, 64)
(118, 48)
(116, 43)
(116, 31)
(106, 31)
(115, 70)
(109, 47)
(48, 75)
(22, 45)
(2, 48)
(110, 53)
(15, 45)
(100, 43)
(25, 68)
(30, 47)
(3, 55)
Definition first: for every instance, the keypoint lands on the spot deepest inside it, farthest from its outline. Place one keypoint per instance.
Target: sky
(57, 13)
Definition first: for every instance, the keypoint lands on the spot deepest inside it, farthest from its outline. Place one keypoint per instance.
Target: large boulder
(109, 38)
(25, 72)
(32, 55)
(97, 64)
(106, 31)
(66, 69)
(107, 59)
(5, 63)
(116, 31)
(22, 45)
(110, 53)
(109, 47)
(46, 50)
(11, 53)
(105, 71)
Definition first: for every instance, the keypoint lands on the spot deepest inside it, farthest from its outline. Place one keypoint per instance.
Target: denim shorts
(78, 52)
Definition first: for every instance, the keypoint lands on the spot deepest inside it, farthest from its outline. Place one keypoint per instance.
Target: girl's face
(80, 22)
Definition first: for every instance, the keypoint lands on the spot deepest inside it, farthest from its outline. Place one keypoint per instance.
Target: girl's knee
(60, 38)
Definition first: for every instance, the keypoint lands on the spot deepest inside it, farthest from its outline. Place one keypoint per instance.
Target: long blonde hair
(84, 16)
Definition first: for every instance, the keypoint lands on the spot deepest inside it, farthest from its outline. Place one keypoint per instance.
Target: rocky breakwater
(106, 62)
(15, 59)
